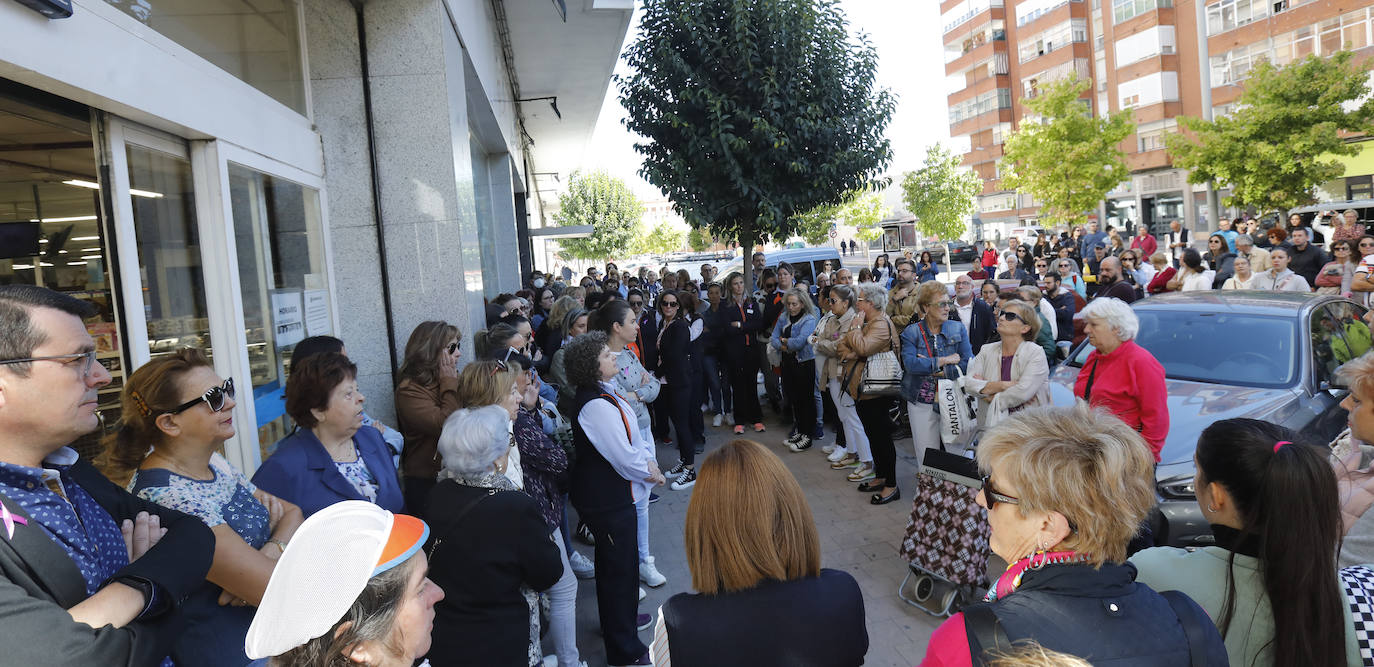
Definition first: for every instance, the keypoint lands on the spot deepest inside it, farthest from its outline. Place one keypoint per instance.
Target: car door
(1339, 334)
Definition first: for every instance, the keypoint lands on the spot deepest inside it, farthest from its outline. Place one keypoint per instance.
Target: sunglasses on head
(993, 497)
(213, 397)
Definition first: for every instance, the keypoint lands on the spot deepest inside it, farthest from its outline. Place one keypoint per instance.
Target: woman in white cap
(350, 589)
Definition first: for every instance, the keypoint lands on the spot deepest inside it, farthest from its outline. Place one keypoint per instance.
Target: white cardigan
(1030, 374)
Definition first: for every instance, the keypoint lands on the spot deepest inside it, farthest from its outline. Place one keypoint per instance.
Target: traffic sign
(832, 233)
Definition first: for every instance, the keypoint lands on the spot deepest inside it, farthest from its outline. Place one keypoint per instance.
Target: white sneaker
(650, 574)
(582, 567)
(642, 594)
(828, 448)
(730, 419)
(716, 421)
(837, 454)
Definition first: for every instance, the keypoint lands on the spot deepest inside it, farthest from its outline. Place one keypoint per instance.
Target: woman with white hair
(1120, 376)
(1068, 275)
(491, 550)
(878, 334)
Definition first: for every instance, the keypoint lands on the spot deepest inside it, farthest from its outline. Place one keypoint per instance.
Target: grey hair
(872, 293)
(473, 438)
(1244, 238)
(1073, 266)
(803, 297)
(1115, 314)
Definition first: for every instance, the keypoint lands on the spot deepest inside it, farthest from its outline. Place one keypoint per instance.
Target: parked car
(961, 251)
(807, 262)
(1226, 354)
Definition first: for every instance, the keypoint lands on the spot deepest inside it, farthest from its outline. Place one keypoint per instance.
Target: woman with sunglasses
(1014, 374)
(1337, 275)
(425, 397)
(675, 395)
(1361, 284)
(178, 412)
(1065, 489)
(931, 346)
(329, 457)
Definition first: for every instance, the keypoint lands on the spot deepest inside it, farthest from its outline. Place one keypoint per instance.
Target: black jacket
(481, 558)
(648, 339)
(1064, 308)
(1102, 616)
(824, 626)
(740, 341)
(982, 329)
(41, 582)
(1306, 262)
(674, 354)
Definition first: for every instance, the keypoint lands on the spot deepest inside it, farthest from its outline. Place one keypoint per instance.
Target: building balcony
(1145, 20)
(986, 84)
(977, 55)
(1139, 68)
(1154, 159)
(1058, 56)
(983, 155)
(982, 121)
(1060, 14)
(1158, 111)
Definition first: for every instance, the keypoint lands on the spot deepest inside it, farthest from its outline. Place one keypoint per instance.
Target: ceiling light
(90, 256)
(21, 267)
(42, 240)
(91, 250)
(74, 218)
(145, 193)
(44, 264)
(80, 238)
(82, 184)
(76, 263)
(61, 252)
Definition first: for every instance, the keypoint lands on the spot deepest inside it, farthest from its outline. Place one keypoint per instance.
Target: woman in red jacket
(989, 257)
(1121, 377)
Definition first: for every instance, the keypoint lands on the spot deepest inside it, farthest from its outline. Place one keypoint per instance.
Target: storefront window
(257, 42)
(285, 291)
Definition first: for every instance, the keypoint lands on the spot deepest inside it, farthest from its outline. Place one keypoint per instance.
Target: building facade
(236, 176)
(1161, 59)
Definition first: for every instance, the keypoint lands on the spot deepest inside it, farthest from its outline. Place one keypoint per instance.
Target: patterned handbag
(882, 373)
(948, 532)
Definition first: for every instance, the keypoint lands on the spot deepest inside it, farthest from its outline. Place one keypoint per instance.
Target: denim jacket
(919, 363)
(798, 343)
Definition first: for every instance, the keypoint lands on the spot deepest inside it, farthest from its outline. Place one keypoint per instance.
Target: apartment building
(1162, 59)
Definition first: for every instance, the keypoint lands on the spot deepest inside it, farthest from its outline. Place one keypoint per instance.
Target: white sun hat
(323, 570)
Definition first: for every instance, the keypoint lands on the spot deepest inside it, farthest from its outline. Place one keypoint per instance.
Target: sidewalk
(856, 537)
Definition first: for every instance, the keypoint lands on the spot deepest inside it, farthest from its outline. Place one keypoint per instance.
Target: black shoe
(870, 487)
(653, 498)
(878, 498)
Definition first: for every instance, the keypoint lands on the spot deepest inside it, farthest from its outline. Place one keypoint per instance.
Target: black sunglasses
(213, 397)
(454, 347)
(669, 304)
(993, 497)
(1009, 316)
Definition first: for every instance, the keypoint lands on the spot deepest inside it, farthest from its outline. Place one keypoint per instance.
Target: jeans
(563, 611)
(642, 527)
(877, 421)
(715, 392)
(854, 433)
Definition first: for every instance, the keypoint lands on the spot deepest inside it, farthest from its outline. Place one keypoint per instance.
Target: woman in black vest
(740, 320)
(1066, 489)
(615, 467)
(754, 554)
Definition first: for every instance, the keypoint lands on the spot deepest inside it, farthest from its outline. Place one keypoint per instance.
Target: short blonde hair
(1029, 653)
(748, 521)
(1358, 374)
(484, 383)
(1158, 260)
(1029, 316)
(929, 292)
(1081, 462)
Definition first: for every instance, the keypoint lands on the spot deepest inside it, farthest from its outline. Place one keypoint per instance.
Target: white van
(1026, 234)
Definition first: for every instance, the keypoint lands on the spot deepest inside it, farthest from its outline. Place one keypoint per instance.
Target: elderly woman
(1065, 490)
(330, 457)
(491, 549)
(1346, 226)
(1068, 276)
(876, 334)
(1012, 375)
(425, 397)
(615, 469)
(752, 549)
(1270, 582)
(637, 387)
(1121, 377)
(826, 342)
(1336, 276)
(177, 416)
(930, 346)
(1163, 274)
(792, 336)
(350, 590)
(1243, 278)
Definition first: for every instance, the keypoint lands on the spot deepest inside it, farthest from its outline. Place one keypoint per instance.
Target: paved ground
(857, 537)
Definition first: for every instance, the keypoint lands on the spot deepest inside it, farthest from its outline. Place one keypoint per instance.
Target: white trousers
(856, 440)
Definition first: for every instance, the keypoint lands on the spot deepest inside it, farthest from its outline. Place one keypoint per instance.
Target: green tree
(1280, 142)
(1068, 159)
(661, 240)
(754, 111)
(699, 240)
(607, 204)
(941, 194)
(814, 225)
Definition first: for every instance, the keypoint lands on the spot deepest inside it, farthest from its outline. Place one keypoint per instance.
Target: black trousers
(832, 416)
(799, 382)
(676, 401)
(617, 582)
(694, 420)
(744, 387)
(415, 491)
(873, 414)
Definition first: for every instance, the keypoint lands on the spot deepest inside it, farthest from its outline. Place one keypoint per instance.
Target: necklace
(337, 451)
(185, 471)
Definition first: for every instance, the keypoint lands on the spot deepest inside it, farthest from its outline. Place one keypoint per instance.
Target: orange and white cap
(326, 566)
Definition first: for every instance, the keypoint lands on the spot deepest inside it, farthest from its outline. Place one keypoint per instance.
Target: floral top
(360, 476)
(543, 463)
(228, 498)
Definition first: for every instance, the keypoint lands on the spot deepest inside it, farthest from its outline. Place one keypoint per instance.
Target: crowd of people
(449, 535)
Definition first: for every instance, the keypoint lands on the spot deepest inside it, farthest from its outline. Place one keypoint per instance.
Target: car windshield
(1204, 347)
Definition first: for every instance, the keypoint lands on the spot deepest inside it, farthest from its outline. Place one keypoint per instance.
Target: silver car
(1226, 354)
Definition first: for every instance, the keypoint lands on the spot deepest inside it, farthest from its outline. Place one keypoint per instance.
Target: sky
(906, 34)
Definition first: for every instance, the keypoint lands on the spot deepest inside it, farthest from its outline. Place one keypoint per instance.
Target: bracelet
(280, 544)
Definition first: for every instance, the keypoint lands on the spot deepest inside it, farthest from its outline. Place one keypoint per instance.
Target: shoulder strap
(1193, 628)
(984, 632)
(628, 435)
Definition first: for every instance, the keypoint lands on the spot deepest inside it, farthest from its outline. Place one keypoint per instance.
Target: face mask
(538, 283)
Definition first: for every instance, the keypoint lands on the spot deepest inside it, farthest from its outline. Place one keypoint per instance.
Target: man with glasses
(82, 552)
(901, 301)
(976, 315)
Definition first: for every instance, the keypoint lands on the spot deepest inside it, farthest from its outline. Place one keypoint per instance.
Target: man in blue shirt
(91, 575)
(1090, 239)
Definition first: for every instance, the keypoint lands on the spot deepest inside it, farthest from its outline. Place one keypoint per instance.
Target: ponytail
(1285, 494)
(152, 391)
(493, 339)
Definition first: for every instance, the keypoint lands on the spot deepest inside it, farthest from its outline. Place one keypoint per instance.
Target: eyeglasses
(454, 347)
(213, 397)
(66, 359)
(993, 497)
(637, 303)
(941, 304)
(669, 304)
(1009, 316)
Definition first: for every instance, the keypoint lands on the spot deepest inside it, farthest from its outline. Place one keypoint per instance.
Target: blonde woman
(1014, 374)
(826, 341)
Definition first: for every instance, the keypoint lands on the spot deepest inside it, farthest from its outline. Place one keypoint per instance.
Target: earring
(1039, 554)
(1211, 509)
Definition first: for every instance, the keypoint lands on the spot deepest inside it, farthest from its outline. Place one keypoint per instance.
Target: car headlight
(1178, 488)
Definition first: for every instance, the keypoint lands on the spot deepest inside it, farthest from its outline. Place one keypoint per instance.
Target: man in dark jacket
(976, 315)
(1304, 258)
(1110, 284)
(1064, 308)
(75, 592)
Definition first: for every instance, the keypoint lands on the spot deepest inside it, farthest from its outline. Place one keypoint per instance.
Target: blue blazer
(301, 472)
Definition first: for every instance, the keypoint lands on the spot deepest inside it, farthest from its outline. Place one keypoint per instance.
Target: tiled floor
(857, 537)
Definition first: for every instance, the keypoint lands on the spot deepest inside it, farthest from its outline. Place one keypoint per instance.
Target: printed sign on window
(287, 318)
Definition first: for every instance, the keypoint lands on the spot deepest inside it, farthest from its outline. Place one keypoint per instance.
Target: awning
(569, 232)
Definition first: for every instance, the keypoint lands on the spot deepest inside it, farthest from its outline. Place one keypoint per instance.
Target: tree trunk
(746, 241)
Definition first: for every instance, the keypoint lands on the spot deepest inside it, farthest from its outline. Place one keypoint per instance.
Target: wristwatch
(153, 602)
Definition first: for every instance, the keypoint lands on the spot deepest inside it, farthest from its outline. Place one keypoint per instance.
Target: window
(989, 101)
(1124, 10)
(1129, 101)
(1029, 10)
(1230, 14)
(965, 11)
(1150, 136)
(1078, 67)
(1056, 37)
(1145, 44)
